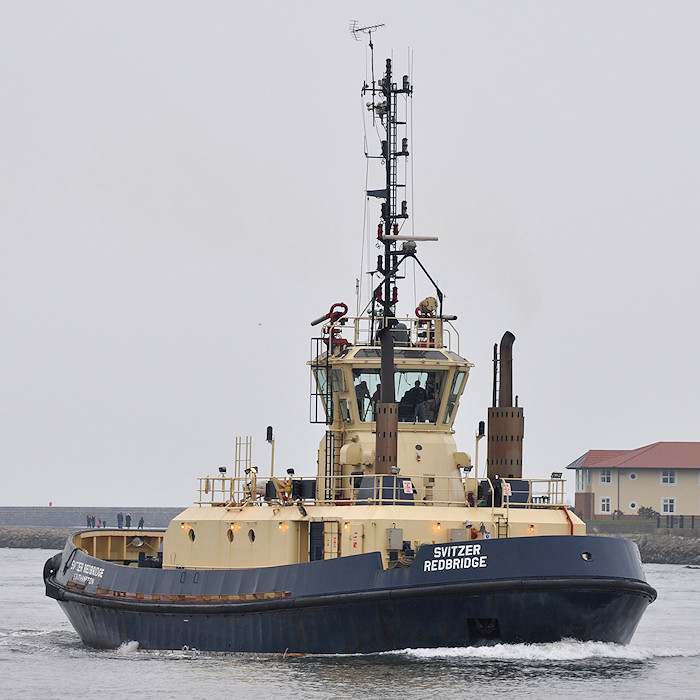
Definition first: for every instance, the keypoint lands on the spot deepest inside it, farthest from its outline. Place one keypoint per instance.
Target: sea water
(42, 657)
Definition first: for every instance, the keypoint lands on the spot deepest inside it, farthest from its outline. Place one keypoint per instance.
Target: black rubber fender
(52, 565)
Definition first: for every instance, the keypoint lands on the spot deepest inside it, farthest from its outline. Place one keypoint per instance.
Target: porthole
(191, 534)
(586, 556)
(251, 535)
(419, 447)
(229, 535)
(633, 476)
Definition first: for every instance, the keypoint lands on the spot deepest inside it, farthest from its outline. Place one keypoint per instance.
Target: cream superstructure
(431, 495)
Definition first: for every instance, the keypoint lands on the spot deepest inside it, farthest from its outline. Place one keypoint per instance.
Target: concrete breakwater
(76, 516)
(668, 549)
(655, 549)
(32, 537)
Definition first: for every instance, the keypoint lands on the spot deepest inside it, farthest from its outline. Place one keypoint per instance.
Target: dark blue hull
(512, 590)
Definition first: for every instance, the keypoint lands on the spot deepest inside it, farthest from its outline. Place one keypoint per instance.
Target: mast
(384, 106)
(384, 327)
(385, 295)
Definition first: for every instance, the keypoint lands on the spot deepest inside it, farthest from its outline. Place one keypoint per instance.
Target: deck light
(556, 475)
(532, 528)
(438, 526)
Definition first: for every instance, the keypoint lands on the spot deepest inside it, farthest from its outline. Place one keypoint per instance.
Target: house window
(604, 505)
(668, 476)
(605, 476)
(668, 505)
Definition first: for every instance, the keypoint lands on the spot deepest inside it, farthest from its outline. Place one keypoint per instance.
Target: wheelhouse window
(367, 392)
(457, 385)
(337, 380)
(668, 476)
(668, 505)
(605, 476)
(345, 411)
(320, 405)
(418, 393)
(604, 505)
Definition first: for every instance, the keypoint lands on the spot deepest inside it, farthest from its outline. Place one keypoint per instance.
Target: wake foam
(567, 650)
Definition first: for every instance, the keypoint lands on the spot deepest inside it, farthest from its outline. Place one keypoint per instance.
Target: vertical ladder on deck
(332, 464)
(502, 526)
(242, 456)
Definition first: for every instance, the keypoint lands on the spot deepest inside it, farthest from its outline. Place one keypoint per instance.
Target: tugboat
(400, 540)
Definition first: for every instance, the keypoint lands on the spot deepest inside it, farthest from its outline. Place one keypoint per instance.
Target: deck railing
(378, 489)
(412, 331)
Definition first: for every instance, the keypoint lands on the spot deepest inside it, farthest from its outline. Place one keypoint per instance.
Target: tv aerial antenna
(356, 31)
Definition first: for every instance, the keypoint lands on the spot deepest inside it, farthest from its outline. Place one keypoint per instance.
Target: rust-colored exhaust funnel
(505, 391)
(506, 421)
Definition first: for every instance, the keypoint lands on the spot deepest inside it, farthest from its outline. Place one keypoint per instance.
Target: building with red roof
(664, 476)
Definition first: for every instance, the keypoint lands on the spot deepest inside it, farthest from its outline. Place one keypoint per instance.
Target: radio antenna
(356, 31)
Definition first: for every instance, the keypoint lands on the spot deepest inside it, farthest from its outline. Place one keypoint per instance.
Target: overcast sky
(181, 192)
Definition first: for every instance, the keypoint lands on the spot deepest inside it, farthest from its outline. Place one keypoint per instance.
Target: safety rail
(381, 489)
(546, 492)
(522, 493)
(413, 332)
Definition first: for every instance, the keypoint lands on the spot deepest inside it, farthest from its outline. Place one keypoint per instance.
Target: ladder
(332, 464)
(501, 526)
